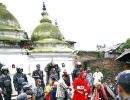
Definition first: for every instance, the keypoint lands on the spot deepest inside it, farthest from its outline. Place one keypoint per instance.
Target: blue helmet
(22, 96)
(124, 77)
(27, 87)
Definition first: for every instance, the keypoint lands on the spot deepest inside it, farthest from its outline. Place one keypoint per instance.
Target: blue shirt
(39, 93)
(89, 78)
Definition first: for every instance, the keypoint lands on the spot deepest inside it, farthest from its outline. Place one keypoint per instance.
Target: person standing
(67, 81)
(47, 91)
(81, 87)
(38, 90)
(53, 74)
(38, 74)
(97, 76)
(109, 88)
(62, 89)
(53, 89)
(89, 78)
(18, 78)
(7, 87)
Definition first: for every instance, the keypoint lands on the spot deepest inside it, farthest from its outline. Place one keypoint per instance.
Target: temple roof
(10, 27)
(7, 20)
(46, 32)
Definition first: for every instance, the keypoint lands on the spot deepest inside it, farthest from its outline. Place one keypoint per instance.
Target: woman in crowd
(38, 90)
(81, 87)
(47, 91)
(53, 89)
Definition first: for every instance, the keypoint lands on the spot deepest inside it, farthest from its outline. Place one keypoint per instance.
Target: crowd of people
(85, 85)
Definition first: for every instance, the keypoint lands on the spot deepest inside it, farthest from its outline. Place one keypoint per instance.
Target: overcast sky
(88, 22)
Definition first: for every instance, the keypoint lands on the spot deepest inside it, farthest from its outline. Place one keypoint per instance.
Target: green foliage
(106, 72)
(126, 45)
(88, 53)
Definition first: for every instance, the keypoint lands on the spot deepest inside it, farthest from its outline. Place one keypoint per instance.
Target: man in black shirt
(38, 74)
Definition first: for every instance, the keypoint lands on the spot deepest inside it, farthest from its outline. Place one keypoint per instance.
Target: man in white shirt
(97, 76)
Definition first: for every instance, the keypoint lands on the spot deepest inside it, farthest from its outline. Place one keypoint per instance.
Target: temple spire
(45, 15)
(56, 24)
(44, 7)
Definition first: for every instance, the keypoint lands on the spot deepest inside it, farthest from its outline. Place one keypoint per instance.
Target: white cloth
(97, 77)
(61, 88)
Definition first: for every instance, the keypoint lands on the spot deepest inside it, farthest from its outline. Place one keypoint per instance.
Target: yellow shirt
(47, 90)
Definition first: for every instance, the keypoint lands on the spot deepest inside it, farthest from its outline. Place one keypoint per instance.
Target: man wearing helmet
(18, 78)
(7, 88)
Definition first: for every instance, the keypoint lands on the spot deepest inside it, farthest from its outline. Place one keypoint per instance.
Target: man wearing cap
(123, 80)
(126, 63)
(38, 74)
(26, 94)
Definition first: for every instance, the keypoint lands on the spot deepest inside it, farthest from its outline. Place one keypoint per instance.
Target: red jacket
(81, 88)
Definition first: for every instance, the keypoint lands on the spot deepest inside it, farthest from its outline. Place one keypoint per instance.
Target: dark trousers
(7, 96)
(19, 91)
(66, 95)
(1, 98)
(53, 94)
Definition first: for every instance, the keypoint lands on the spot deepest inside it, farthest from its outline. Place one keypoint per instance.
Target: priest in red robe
(81, 87)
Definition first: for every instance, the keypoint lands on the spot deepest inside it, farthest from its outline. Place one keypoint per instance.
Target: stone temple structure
(46, 47)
